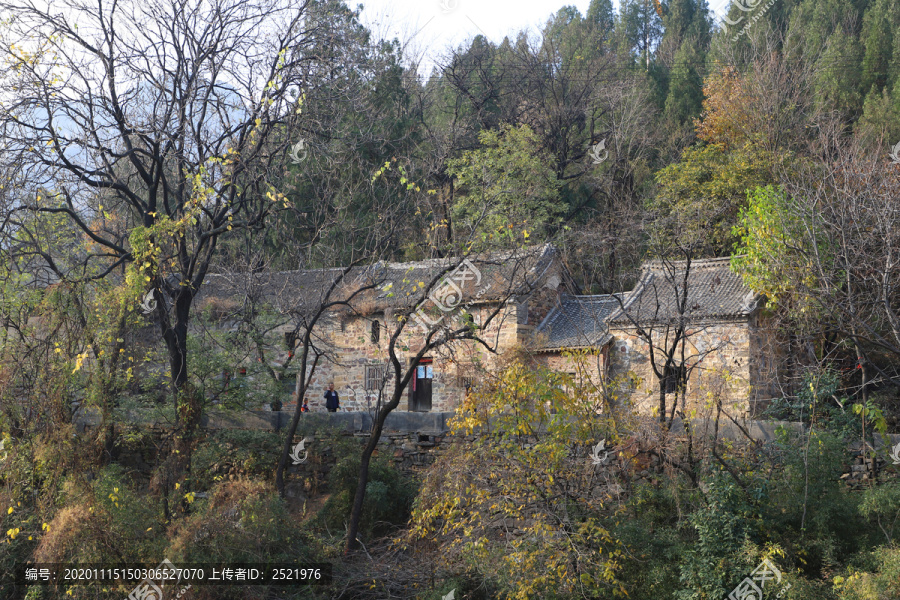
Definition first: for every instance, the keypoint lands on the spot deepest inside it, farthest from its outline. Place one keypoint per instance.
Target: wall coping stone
(423, 423)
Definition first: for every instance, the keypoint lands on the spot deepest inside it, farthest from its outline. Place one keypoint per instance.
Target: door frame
(415, 402)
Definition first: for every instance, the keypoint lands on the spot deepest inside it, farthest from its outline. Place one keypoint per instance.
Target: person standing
(332, 401)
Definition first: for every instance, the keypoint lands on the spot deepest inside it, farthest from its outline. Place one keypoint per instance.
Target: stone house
(727, 346)
(515, 289)
(577, 323)
(722, 342)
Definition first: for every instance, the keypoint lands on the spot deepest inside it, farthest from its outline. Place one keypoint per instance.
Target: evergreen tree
(688, 29)
(880, 22)
(642, 27)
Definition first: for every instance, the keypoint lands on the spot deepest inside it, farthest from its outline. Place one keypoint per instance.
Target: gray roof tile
(714, 291)
(577, 322)
(390, 285)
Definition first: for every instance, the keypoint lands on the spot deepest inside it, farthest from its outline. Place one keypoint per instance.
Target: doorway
(420, 388)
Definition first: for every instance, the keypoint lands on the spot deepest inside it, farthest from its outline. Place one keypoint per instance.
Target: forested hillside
(153, 154)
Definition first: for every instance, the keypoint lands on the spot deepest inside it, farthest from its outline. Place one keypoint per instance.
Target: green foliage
(516, 505)
(721, 528)
(882, 583)
(241, 521)
(819, 402)
(506, 184)
(20, 527)
(389, 495)
(650, 529)
(701, 196)
(772, 255)
(813, 513)
(881, 505)
(879, 28)
(785, 503)
(106, 521)
(243, 453)
(226, 371)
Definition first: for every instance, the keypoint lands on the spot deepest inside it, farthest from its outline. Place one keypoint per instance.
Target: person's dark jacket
(332, 400)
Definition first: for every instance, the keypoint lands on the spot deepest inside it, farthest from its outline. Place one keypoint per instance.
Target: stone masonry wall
(586, 369)
(717, 355)
(768, 359)
(352, 345)
(414, 450)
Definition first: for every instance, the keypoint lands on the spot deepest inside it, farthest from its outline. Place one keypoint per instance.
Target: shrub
(816, 404)
(104, 521)
(883, 584)
(252, 454)
(241, 521)
(724, 530)
(881, 506)
(389, 495)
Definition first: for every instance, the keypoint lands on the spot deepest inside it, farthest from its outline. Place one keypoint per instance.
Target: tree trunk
(289, 437)
(360, 496)
(377, 428)
(300, 392)
(662, 401)
(188, 404)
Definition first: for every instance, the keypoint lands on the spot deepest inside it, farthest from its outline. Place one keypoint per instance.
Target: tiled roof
(395, 286)
(714, 291)
(577, 322)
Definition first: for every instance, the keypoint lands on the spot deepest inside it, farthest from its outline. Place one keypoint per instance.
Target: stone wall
(413, 441)
(353, 349)
(349, 339)
(717, 357)
(769, 359)
(586, 368)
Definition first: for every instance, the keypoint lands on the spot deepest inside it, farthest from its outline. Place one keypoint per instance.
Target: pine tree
(688, 29)
(879, 23)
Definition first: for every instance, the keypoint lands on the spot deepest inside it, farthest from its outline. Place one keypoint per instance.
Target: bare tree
(838, 246)
(421, 326)
(669, 310)
(170, 115)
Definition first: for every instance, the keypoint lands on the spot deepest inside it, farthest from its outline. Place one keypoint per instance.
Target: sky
(431, 26)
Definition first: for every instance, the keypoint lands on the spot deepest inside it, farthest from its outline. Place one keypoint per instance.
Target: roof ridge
(696, 262)
(598, 296)
(537, 252)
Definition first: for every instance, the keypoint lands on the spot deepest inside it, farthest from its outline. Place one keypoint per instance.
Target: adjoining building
(518, 288)
(689, 330)
(579, 324)
(698, 317)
